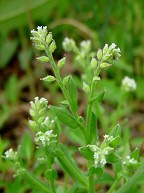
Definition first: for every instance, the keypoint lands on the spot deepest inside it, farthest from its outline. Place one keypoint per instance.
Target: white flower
(106, 136)
(128, 84)
(10, 154)
(68, 44)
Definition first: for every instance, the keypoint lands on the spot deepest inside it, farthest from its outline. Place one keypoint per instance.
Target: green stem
(36, 182)
(62, 86)
(90, 105)
(91, 182)
(51, 177)
(115, 184)
(58, 77)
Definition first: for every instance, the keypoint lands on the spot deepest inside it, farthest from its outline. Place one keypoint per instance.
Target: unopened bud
(49, 38)
(104, 65)
(93, 63)
(86, 87)
(52, 47)
(99, 54)
(61, 62)
(43, 59)
(49, 79)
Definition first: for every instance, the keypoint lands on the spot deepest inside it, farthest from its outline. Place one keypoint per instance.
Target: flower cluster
(68, 44)
(128, 84)
(130, 161)
(101, 152)
(37, 111)
(42, 39)
(45, 138)
(11, 155)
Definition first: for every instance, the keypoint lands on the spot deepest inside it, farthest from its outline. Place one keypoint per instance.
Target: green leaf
(64, 116)
(117, 167)
(87, 153)
(12, 91)
(17, 15)
(68, 164)
(73, 94)
(115, 142)
(99, 97)
(135, 154)
(7, 51)
(51, 174)
(112, 158)
(116, 131)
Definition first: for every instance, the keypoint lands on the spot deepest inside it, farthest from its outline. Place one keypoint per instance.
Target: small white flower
(103, 161)
(10, 154)
(128, 84)
(106, 136)
(128, 157)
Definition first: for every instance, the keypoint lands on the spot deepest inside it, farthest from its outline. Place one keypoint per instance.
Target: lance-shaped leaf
(116, 131)
(99, 97)
(64, 116)
(87, 153)
(135, 154)
(115, 142)
(112, 158)
(73, 94)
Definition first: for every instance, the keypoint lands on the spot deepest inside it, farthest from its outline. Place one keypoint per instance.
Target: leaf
(99, 97)
(7, 51)
(116, 131)
(115, 142)
(17, 12)
(69, 165)
(87, 153)
(64, 116)
(73, 94)
(12, 91)
(135, 154)
(112, 158)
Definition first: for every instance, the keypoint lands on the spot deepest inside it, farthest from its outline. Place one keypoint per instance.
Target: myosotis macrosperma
(47, 128)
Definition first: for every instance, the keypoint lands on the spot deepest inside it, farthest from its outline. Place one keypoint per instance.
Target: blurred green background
(107, 21)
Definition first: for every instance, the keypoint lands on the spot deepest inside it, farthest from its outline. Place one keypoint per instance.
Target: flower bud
(61, 62)
(93, 63)
(49, 79)
(86, 87)
(52, 47)
(99, 54)
(104, 65)
(49, 38)
(43, 59)
(66, 79)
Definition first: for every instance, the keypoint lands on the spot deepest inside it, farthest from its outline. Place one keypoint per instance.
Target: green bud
(107, 57)
(61, 62)
(52, 47)
(80, 119)
(104, 65)
(96, 78)
(99, 54)
(49, 38)
(65, 103)
(105, 49)
(43, 59)
(93, 63)
(66, 79)
(86, 87)
(49, 79)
